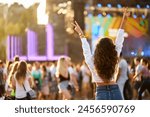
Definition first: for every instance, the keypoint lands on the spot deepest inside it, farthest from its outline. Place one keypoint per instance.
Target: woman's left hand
(77, 28)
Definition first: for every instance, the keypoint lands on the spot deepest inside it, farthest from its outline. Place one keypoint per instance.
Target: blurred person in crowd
(103, 64)
(2, 81)
(16, 58)
(86, 80)
(8, 70)
(48, 65)
(79, 78)
(8, 67)
(137, 77)
(128, 88)
(63, 76)
(21, 83)
(10, 92)
(29, 67)
(73, 84)
(3, 70)
(2, 93)
(131, 68)
(37, 75)
(53, 86)
(122, 73)
(145, 75)
(53, 70)
(45, 83)
(29, 73)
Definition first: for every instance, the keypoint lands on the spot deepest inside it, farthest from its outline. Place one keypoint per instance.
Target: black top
(62, 78)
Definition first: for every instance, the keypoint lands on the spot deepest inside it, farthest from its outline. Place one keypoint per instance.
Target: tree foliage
(15, 19)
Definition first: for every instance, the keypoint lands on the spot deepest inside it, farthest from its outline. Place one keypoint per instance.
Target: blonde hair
(62, 67)
(11, 73)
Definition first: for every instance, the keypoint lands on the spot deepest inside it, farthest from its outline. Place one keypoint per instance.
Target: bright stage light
(108, 15)
(99, 5)
(132, 53)
(142, 53)
(138, 6)
(147, 6)
(143, 16)
(119, 6)
(134, 16)
(109, 5)
(99, 15)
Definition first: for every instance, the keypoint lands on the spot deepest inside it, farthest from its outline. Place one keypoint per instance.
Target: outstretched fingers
(76, 23)
(73, 24)
(126, 12)
(125, 9)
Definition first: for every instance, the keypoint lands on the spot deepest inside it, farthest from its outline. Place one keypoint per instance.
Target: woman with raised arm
(103, 63)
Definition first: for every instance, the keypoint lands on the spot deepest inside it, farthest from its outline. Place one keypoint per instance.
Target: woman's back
(103, 64)
(20, 91)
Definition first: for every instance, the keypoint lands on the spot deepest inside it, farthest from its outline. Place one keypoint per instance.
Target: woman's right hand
(78, 29)
(126, 14)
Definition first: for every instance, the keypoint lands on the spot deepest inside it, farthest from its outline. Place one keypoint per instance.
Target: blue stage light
(135, 16)
(143, 16)
(138, 6)
(119, 6)
(147, 6)
(99, 15)
(99, 5)
(109, 5)
(108, 15)
(142, 53)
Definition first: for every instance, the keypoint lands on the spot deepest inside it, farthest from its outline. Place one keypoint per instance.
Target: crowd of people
(106, 75)
(64, 80)
(50, 80)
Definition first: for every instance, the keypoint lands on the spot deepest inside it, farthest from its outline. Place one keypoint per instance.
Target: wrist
(82, 36)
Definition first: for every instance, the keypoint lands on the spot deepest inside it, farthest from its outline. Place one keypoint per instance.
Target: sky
(41, 15)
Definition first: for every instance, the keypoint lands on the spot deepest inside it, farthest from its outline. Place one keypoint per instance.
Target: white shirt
(138, 69)
(53, 70)
(71, 70)
(124, 68)
(89, 57)
(85, 71)
(20, 91)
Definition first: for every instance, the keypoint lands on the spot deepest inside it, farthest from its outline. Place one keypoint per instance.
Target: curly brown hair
(105, 59)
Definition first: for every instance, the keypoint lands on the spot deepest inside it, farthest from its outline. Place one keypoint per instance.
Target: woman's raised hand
(126, 13)
(78, 29)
